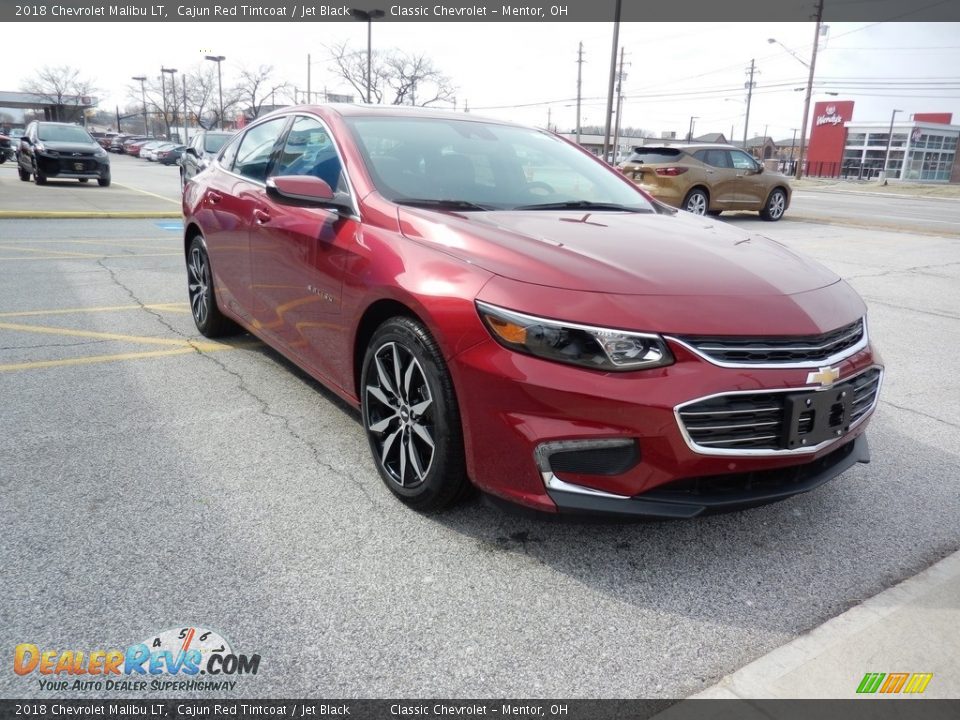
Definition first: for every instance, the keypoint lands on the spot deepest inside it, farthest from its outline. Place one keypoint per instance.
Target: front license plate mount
(814, 417)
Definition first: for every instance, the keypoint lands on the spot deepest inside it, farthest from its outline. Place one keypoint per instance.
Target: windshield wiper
(581, 205)
(441, 204)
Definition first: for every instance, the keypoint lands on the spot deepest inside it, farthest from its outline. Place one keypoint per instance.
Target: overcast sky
(675, 70)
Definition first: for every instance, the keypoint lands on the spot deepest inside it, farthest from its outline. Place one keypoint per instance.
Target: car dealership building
(923, 146)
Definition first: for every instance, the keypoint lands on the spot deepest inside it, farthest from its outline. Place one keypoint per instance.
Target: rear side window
(714, 158)
(256, 148)
(213, 143)
(655, 155)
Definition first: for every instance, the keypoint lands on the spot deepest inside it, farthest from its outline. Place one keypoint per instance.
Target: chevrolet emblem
(824, 376)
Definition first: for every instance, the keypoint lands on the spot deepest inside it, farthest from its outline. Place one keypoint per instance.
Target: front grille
(779, 420)
(70, 164)
(596, 461)
(738, 422)
(773, 350)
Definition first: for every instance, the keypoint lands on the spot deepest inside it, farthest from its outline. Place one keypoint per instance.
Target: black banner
(153, 709)
(478, 11)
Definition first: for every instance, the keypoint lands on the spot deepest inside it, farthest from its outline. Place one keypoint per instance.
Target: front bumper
(66, 166)
(513, 405)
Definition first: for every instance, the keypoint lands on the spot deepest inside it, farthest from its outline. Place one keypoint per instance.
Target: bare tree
(64, 88)
(397, 77)
(203, 97)
(256, 86)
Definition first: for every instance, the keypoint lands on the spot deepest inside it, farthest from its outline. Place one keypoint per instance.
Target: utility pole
(143, 96)
(549, 115)
(750, 84)
(806, 101)
(613, 77)
(690, 131)
(186, 117)
(579, 83)
(616, 132)
(308, 78)
(466, 106)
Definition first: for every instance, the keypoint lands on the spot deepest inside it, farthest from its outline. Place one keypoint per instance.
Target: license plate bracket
(815, 417)
(78, 166)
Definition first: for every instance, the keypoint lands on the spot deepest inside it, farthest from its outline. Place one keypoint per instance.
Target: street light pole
(368, 16)
(143, 97)
(219, 59)
(690, 131)
(886, 157)
(173, 82)
(613, 77)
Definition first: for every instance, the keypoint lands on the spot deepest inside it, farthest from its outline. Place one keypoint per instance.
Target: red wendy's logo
(831, 109)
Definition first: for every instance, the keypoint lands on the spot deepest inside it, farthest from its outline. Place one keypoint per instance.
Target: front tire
(104, 181)
(38, 177)
(775, 206)
(203, 299)
(24, 175)
(411, 417)
(696, 202)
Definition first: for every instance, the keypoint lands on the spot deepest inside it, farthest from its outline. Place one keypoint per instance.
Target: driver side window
(309, 150)
(742, 161)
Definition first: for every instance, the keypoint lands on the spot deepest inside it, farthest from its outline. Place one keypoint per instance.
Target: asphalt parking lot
(154, 479)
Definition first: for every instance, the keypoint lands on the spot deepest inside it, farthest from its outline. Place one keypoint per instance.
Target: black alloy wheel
(411, 417)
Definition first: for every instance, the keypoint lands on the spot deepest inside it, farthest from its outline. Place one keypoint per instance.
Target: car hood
(66, 147)
(619, 252)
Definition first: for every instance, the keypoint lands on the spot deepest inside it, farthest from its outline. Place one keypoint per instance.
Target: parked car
(565, 344)
(171, 155)
(708, 179)
(149, 151)
(7, 151)
(202, 149)
(117, 143)
(61, 150)
(104, 139)
(145, 148)
(132, 147)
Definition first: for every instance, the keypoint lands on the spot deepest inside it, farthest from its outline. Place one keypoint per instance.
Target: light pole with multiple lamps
(886, 157)
(368, 16)
(143, 97)
(219, 59)
(173, 81)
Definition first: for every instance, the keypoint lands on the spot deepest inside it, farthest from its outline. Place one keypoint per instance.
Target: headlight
(593, 347)
(100, 152)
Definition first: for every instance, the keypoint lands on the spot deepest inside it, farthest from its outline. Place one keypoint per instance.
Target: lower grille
(774, 421)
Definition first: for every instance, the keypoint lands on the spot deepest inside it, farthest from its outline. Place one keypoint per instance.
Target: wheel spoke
(414, 458)
(421, 407)
(404, 439)
(384, 377)
(388, 444)
(408, 376)
(381, 397)
(380, 426)
(423, 434)
(396, 368)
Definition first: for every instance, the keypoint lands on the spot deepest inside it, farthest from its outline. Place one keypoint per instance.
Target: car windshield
(476, 165)
(63, 133)
(213, 143)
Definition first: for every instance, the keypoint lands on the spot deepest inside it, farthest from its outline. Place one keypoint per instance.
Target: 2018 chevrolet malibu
(508, 311)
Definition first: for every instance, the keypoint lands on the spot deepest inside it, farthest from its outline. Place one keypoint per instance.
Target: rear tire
(411, 416)
(24, 175)
(203, 298)
(775, 206)
(696, 201)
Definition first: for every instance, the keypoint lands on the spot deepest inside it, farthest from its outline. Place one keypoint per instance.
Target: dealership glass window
(852, 156)
(856, 139)
(926, 165)
(950, 142)
(877, 139)
(899, 140)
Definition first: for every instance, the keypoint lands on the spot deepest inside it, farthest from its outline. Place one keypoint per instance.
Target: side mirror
(760, 168)
(304, 191)
(192, 151)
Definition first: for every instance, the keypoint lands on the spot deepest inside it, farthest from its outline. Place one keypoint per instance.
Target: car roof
(355, 110)
(686, 147)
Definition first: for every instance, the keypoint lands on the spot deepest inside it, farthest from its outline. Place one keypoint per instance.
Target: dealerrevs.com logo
(181, 659)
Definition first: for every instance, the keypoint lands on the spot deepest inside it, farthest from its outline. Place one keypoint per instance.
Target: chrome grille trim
(703, 349)
(857, 417)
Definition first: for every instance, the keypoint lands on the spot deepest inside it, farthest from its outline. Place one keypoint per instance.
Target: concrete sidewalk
(913, 627)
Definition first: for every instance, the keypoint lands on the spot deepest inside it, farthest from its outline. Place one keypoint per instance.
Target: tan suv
(708, 179)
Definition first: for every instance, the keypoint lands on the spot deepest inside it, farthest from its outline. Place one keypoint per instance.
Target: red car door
(299, 254)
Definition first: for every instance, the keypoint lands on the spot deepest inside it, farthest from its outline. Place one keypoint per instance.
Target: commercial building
(923, 146)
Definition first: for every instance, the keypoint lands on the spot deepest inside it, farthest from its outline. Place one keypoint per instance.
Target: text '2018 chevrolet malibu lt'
(509, 312)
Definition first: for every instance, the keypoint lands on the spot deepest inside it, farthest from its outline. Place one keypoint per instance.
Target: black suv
(62, 150)
(203, 148)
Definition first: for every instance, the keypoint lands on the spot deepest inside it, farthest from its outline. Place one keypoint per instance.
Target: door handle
(261, 216)
(214, 197)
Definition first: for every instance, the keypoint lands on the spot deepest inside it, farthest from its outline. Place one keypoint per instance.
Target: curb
(757, 679)
(83, 214)
(813, 219)
(868, 193)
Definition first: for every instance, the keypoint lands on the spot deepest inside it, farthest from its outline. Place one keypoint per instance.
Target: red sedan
(508, 311)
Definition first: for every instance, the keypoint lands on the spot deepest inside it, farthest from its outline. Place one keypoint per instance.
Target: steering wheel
(540, 188)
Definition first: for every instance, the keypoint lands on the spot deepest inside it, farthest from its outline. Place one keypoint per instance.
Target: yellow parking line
(145, 339)
(145, 192)
(173, 307)
(91, 359)
(131, 240)
(83, 214)
(79, 256)
(48, 252)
